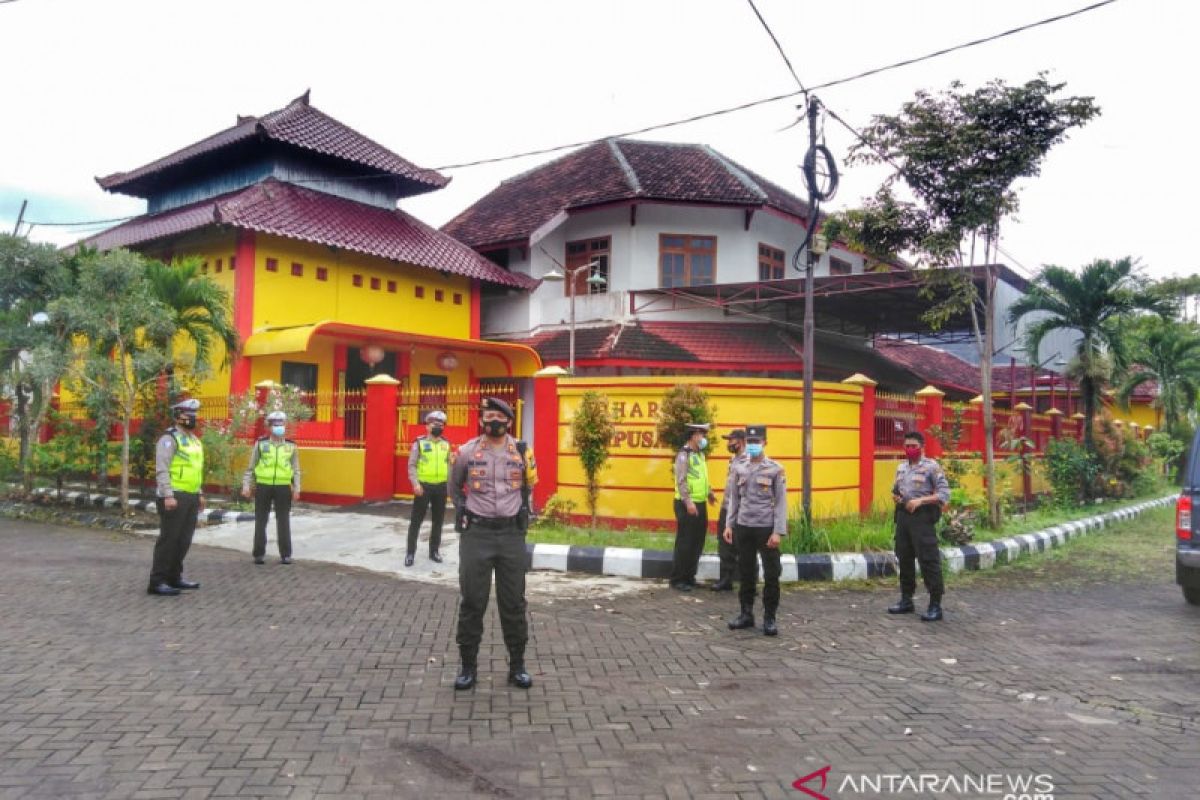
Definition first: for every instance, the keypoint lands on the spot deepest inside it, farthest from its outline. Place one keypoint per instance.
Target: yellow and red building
(297, 216)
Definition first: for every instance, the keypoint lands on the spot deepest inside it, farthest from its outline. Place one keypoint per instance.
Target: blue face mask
(277, 430)
(703, 442)
(755, 449)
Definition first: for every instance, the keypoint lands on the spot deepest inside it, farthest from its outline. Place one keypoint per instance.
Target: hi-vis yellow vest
(433, 459)
(187, 465)
(697, 478)
(274, 467)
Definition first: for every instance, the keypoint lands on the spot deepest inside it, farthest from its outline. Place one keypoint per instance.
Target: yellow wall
(331, 470)
(885, 475)
(637, 483)
(282, 299)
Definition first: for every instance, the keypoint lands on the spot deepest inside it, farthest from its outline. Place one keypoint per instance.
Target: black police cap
(756, 431)
(496, 404)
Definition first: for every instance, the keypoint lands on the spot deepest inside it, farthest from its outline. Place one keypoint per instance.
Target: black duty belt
(492, 523)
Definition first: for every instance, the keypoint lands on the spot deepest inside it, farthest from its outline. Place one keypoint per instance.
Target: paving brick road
(322, 681)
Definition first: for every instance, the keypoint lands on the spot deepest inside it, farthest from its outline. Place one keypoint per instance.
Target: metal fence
(895, 415)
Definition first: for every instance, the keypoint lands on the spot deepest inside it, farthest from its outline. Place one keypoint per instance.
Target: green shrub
(682, 405)
(592, 429)
(1071, 470)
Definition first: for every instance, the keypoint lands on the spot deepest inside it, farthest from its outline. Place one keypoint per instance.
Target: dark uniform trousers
(916, 541)
(281, 497)
(492, 545)
(433, 499)
(726, 551)
(175, 531)
(689, 541)
(751, 543)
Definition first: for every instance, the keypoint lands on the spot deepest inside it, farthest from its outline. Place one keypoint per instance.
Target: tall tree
(1166, 353)
(959, 152)
(116, 319)
(32, 344)
(1094, 303)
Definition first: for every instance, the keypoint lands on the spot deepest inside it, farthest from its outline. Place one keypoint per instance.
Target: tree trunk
(127, 412)
(23, 449)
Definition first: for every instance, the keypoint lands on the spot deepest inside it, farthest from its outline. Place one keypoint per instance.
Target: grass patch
(853, 534)
(553, 533)
(1142, 549)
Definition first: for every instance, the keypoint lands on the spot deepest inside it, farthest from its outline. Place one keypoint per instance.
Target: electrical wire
(787, 95)
(778, 46)
(694, 117)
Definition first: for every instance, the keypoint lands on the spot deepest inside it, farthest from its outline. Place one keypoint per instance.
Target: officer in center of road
(757, 492)
(274, 472)
(735, 442)
(179, 479)
(428, 472)
(488, 482)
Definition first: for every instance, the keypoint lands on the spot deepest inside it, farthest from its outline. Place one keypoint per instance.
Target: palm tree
(1168, 354)
(200, 307)
(1093, 303)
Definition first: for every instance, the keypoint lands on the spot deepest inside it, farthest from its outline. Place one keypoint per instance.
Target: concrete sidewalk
(375, 539)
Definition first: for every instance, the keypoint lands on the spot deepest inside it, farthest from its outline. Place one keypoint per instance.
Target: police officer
(692, 490)
(428, 471)
(487, 482)
(735, 442)
(757, 492)
(920, 491)
(179, 479)
(275, 472)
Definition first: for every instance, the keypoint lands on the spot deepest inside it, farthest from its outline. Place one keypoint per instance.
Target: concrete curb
(636, 563)
(85, 500)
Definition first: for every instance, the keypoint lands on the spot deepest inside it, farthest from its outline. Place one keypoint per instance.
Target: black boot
(518, 676)
(769, 627)
(905, 606)
(466, 677)
(743, 620)
(935, 611)
(723, 585)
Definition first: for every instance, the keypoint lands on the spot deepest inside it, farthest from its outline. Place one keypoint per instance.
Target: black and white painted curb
(86, 500)
(637, 563)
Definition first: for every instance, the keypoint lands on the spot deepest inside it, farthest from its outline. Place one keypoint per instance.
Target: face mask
(703, 442)
(755, 449)
(733, 448)
(277, 430)
(496, 427)
(435, 430)
(187, 422)
(912, 452)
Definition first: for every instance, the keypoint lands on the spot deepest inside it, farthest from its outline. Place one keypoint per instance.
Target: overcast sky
(99, 86)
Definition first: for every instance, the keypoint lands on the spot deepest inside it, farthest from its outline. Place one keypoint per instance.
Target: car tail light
(1183, 517)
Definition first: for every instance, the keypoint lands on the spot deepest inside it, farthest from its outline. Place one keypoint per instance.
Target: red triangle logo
(823, 774)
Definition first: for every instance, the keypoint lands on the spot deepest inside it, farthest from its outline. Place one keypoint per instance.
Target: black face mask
(496, 427)
(436, 430)
(187, 422)
(733, 448)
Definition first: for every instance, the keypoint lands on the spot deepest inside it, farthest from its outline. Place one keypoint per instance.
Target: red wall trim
(243, 308)
(671, 489)
(545, 439)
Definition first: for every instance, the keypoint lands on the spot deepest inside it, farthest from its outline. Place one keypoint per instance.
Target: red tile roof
(299, 125)
(719, 343)
(723, 346)
(612, 170)
(293, 212)
(942, 369)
